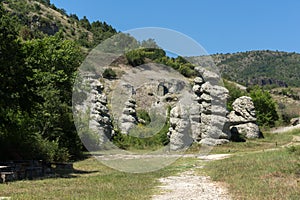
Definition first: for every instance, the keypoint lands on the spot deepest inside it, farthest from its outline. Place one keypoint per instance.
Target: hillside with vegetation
(39, 18)
(272, 68)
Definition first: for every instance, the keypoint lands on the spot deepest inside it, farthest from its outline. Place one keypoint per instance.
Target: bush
(50, 151)
(265, 106)
(187, 70)
(154, 142)
(109, 73)
(143, 114)
(135, 57)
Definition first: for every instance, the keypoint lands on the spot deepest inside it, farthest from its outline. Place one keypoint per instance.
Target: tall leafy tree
(35, 95)
(16, 91)
(54, 62)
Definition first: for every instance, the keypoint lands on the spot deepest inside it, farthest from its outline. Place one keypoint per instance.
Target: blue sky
(220, 26)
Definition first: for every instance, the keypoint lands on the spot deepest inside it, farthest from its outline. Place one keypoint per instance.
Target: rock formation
(180, 129)
(100, 120)
(206, 117)
(243, 119)
(198, 114)
(128, 118)
(212, 99)
(295, 121)
(92, 117)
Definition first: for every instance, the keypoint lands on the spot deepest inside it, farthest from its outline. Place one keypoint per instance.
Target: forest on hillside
(265, 68)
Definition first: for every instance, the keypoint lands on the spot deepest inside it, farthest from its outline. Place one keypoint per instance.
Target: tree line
(37, 77)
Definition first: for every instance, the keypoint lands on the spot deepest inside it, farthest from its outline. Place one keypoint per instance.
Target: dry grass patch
(93, 180)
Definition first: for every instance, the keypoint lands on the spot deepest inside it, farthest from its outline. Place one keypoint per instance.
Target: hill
(40, 18)
(260, 68)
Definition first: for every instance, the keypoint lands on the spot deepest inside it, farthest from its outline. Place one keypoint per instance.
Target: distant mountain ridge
(260, 67)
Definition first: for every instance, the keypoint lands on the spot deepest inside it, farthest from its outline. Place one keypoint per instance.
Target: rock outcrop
(180, 129)
(205, 119)
(243, 119)
(210, 129)
(100, 120)
(295, 121)
(128, 118)
(92, 117)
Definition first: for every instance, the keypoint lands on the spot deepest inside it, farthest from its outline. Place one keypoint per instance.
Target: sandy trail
(189, 186)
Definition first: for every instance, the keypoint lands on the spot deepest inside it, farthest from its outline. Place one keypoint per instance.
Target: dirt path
(189, 186)
(285, 129)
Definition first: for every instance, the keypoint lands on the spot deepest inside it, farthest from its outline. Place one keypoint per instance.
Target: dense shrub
(135, 57)
(265, 106)
(109, 73)
(154, 142)
(36, 120)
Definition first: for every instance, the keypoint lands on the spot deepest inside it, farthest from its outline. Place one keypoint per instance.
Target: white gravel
(188, 186)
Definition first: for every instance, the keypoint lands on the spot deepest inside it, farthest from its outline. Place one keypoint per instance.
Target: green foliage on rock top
(139, 56)
(109, 73)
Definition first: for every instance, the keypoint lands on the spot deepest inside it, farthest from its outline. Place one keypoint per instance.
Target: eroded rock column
(243, 119)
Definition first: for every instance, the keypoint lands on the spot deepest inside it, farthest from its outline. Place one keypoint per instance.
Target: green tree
(234, 93)
(265, 106)
(85, 23)
(54, 62)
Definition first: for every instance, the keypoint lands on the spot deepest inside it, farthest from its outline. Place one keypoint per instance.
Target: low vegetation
(93, 180)
(141, 137)
(141, 55)
(257, 173)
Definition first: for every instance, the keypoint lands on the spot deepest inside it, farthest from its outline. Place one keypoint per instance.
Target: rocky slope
(198, 107)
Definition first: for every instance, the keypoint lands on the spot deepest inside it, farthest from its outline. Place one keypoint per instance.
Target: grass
(93, 181)
(252, 174)
(270, 140)
(264, 175)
